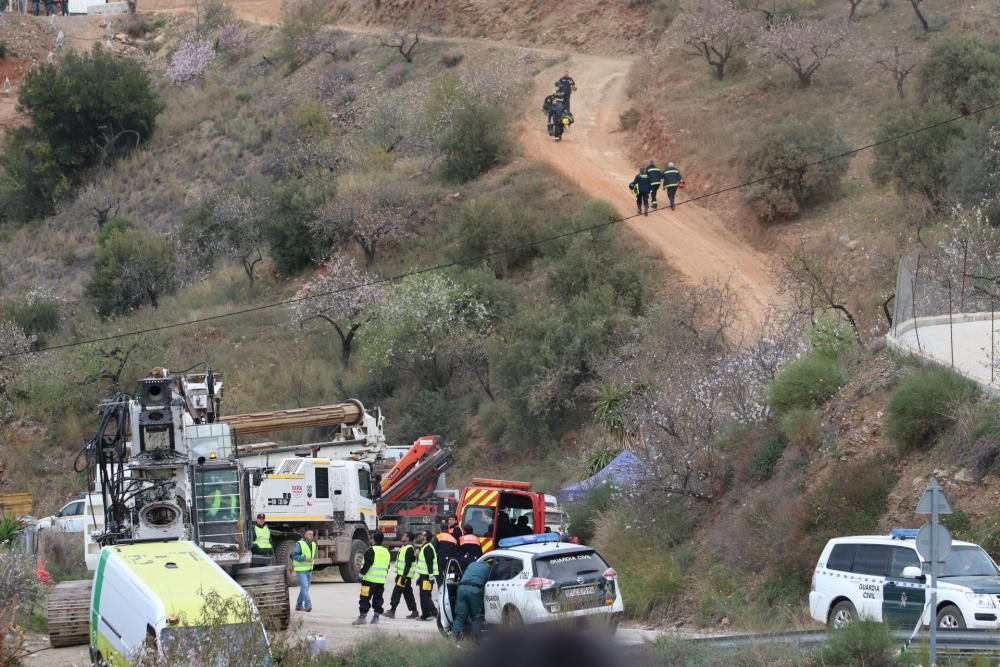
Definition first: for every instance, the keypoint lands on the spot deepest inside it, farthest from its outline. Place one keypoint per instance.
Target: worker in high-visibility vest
(304, 557)
(427, 572)
(446, 548)
(221, 506)
(469, 548)
(261, 537)
(374, 571)
(406, 560)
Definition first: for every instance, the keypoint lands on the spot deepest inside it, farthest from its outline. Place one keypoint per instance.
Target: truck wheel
(283, 556)
(950, 618)
(351, 570)
(842, 613)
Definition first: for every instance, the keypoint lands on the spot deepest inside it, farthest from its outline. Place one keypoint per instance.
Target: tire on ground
(351, 570)
(950, 618)
(512, 618)
(283, 556)
(842, 613)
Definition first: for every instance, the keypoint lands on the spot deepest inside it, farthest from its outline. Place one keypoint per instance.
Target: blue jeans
(304, 601)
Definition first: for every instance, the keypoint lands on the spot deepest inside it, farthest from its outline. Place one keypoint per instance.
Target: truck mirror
(376, 489)
(257, 477)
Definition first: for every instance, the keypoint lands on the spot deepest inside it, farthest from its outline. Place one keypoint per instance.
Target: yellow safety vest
(215, 504)
(379, 570)
(401, 560)
(309, 551)
(422, 561)
(262, 536)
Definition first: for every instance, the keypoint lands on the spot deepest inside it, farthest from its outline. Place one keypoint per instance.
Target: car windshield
(569, 566)
(969, 562)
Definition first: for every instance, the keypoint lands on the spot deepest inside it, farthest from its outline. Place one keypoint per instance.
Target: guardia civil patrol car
(880, 577)
(539, 579)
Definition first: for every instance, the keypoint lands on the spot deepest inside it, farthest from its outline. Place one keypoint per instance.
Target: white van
(879, 577)
(148, 594)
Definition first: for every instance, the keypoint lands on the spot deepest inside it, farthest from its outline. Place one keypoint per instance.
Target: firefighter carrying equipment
(379, 570)
(309, 551)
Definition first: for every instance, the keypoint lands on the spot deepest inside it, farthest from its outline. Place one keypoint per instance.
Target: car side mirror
(58, 513)
(912, 572)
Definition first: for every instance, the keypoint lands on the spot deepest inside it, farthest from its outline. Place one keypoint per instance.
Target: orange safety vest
(469, 539)
(446, 537)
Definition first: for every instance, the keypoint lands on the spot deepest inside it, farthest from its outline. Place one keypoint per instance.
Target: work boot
(671, 207)
(646, 212)
(389, 614)
(655, 206)
(360, 620)
(375, 619)
(413, 614)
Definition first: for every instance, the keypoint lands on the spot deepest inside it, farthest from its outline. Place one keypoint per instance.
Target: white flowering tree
(342, 295)
(237, 229)
(415, 322)
(193, 57)
(13, 343)
(369, 212)
(802, 45)
(714, 29)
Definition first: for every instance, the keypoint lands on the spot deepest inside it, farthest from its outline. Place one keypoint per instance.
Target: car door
(77, 519)
(902, 599)
(64, 518)
(503, 577)
(871, 568)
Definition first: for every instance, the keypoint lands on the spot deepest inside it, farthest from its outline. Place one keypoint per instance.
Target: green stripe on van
(95, 605)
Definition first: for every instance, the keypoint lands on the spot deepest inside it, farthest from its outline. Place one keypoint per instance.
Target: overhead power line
(487, 255)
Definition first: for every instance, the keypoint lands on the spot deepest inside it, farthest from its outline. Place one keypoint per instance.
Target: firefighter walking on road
(427, 572)
(405, 563)
(640, 187)
(655, 181)
(566, 85)
(374, 571)
(672, 180)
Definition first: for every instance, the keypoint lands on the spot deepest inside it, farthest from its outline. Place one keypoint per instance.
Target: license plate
(578, 592)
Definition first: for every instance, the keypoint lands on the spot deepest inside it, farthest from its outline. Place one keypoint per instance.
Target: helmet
(670, 164)
(565, 120)
(652, 163)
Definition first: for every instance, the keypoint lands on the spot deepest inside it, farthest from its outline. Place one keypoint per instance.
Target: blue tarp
(624, 470)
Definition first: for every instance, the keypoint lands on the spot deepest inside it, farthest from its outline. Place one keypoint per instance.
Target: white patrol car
(71, 518)
(880, 577)
(538, 579)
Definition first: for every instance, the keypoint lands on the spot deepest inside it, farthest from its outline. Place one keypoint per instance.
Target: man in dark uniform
(566, 85)
(655, 181)
(446, 547)
(469, 548)
(374, 571)
(469, 600)
(405, 562)
(640, 188)
(672, 180)
(454, 528)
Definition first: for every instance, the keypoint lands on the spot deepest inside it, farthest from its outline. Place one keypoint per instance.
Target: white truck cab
(880, 577)
(70, 518)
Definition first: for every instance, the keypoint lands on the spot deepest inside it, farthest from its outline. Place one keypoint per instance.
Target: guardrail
(949, 641)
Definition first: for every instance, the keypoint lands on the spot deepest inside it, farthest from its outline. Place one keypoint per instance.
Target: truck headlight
(981, 600)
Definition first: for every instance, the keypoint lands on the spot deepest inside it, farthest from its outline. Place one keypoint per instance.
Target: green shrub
(805, 383)
(475, 140)
(584, 514)
(380, 651)
(973, 168)
(782, 150)
(800, 428)
(961, 72)
(425, 412)
(116, 224)
(36, 315)
(3, 50)
(916, 163)
(291, 243)
(215, 14)
(72, 106)
(765, 457)
(300, 24)
(863, 643)
(487, 225)
(131, 269)
(982, 436)
(924, 405)
(851, 501)
(831, 336)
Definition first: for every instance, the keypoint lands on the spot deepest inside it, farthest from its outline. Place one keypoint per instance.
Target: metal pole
(913, 301)
(992, 329)
(934, 567)
(951, 326)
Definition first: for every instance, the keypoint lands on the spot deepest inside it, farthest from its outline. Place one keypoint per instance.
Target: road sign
(934, 500)
(934, 540)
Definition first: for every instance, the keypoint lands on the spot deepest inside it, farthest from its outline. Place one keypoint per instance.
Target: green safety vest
(309, 551)
(401, 560)
(262, 536)
(422, 561)
(379, 570)
(215, 504)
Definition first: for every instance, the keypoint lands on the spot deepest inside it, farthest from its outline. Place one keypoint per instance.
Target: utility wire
(501, 251)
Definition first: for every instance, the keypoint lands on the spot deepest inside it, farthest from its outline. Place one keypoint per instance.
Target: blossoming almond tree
(801, 45)
(714, 29)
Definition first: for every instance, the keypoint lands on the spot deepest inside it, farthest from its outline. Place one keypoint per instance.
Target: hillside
(308, 157)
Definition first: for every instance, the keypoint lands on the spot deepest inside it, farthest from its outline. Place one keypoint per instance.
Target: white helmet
(670, 164)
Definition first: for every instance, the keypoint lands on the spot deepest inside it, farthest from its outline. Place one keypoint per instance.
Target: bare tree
(895, 65)
(237, 229)
(100, 201)
(854, 8)
(801, 45)
(772, 9)
(713, 30)
(405, 42)
(920, 15)
(817, 288)
(371, 214)
(341, 295)
(13, 344)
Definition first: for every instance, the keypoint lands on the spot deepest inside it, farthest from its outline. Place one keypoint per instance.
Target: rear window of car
(842, 557)
(567, 566)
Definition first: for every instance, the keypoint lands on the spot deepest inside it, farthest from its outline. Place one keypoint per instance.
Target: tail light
(538, 583)
(610, 573)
